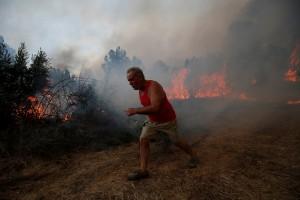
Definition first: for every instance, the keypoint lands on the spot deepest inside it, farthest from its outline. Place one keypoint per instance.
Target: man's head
(136, 78)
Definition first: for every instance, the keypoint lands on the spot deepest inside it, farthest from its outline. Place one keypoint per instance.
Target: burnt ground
(249, 152)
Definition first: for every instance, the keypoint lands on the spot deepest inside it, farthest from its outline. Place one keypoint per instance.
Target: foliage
(66, 113)
(115, 60)
(39, 71)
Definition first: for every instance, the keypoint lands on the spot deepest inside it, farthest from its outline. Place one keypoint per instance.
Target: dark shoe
(137, 175)
(193, 162)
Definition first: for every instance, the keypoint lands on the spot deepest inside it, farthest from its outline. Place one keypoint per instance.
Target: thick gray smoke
(259, 44)
(255, 53)
(252, 39)
(170, 31)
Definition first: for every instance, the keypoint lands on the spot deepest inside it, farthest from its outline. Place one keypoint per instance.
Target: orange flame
(210, 85)
(67, 117)
(178, 89)
(38, 111)
(291, 74)
(36, 108)
(213, 85)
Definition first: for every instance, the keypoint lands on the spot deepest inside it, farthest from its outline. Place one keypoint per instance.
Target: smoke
(156, 30)
(67, 58)
(256, 54)
(252, 45)
(252, 39)
(259, 43)
(78, 36)
(11, 52)
(174, 31)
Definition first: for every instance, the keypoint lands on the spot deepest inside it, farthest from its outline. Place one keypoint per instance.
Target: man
(161, 118)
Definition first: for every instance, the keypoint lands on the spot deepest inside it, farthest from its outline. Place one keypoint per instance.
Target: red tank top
(166, 112)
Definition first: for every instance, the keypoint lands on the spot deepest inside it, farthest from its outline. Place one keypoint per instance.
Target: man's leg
(144, 153)
(144, 148)
(170, 129)
(182, 144)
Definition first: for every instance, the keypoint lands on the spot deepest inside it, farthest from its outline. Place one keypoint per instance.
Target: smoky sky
(258, 47)
(252, 38)
(151, 30)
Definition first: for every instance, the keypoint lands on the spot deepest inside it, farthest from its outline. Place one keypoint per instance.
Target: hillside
(253, 157)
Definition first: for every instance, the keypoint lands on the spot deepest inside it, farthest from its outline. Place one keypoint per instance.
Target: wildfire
(212, 85)
(36, 108)
(178, 89)
(291, 74)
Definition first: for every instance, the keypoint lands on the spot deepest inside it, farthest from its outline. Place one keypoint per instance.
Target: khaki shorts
(150, 129)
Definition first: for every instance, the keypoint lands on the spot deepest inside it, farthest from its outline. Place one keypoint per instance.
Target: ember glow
(243, 96)
(67, 117)
(293, 102)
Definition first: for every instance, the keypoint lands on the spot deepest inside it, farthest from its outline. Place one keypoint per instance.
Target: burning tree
(63, 99)
(19, 81)
(27, 93)
(36, 100)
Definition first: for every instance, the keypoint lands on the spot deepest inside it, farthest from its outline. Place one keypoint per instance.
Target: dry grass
(246, 155)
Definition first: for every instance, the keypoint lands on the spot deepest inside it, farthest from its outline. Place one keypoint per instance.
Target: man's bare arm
(156, 95)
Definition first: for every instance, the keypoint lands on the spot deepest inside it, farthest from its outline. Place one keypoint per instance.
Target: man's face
(134, 80)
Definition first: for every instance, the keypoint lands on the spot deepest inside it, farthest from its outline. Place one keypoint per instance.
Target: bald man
(161, 118)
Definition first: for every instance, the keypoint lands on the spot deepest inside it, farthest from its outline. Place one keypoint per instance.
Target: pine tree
(38, 71)
(19, 74)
